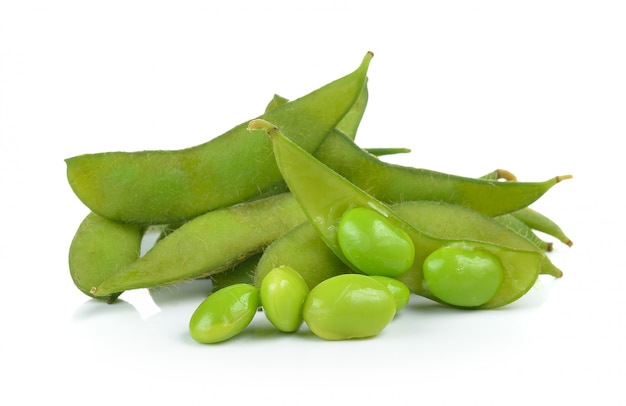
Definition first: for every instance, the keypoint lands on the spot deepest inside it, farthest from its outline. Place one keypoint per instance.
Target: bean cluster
(288, 214)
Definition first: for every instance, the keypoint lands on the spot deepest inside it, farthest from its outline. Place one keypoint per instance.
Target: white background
(536, 87)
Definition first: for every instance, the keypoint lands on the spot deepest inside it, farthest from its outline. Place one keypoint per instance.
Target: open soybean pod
(161, 187)
(325, 196)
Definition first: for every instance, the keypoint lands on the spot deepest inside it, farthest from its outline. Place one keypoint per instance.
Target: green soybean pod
(350, 121)
(349, 124)
(306, 176)
(526, 219)
(283, 292)
(161, 187)
(517, 225)
(398, 289)
(392, 183)
(350, 306)
(208, 244)
(99, 249)
(540, 222)
(224, 314)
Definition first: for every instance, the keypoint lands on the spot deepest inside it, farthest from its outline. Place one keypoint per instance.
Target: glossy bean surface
(347, 307)
(373, 244)
(462, 275)
(224, 314)
(283, 292)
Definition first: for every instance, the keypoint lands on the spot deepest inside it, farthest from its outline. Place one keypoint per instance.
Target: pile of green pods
(243, 204)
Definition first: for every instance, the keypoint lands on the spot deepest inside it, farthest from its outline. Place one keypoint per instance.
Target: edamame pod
(526, 220)
(160, 187)
(350, 121)
(242, 272)
(517, 225)
(539, 222)
(392, 183)
(99, 249)
(306, 177)
(208, 244)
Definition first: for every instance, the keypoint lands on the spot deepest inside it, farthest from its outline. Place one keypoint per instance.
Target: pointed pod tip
(366, 60)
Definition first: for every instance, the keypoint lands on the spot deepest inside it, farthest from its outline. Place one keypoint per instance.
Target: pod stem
(562, 178)
(506, 175)
(259, 124)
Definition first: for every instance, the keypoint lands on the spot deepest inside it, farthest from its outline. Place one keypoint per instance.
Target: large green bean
(158, 187)
(209, 243)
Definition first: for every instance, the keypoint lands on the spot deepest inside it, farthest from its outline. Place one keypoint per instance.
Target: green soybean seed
(347, 307)
(463, 276)
(224, 314)
(398, 289)
(283, 292)
(373, 244)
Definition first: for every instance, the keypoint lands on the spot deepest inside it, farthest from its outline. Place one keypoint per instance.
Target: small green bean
(283, 292)
(224, 314)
